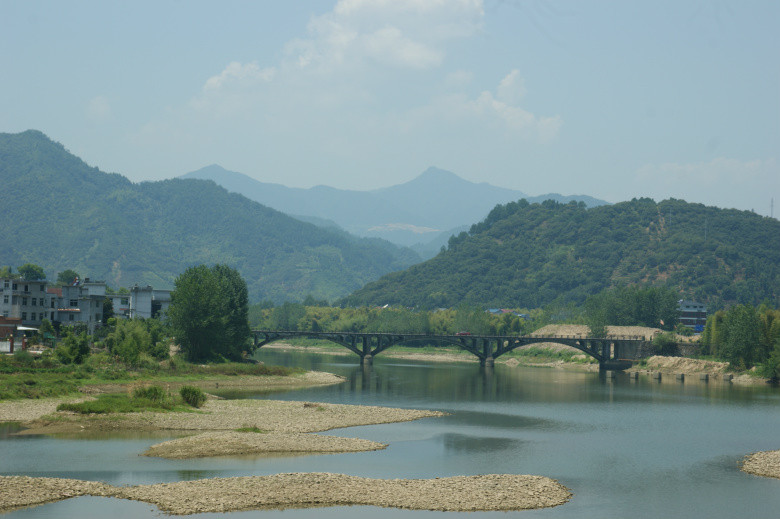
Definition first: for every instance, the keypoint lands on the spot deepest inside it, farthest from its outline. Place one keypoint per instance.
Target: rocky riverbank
(765, 464)
(497, 492)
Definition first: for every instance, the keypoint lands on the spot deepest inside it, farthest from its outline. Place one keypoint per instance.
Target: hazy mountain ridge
(412, 213)
(67, 214)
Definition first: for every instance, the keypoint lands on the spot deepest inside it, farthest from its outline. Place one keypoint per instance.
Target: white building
(146, 302)
(79, 302)
(25, 300)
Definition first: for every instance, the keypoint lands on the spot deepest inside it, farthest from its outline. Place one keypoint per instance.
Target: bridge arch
(610, 352)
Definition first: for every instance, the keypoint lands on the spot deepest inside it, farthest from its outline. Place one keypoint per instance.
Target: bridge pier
(611, 352)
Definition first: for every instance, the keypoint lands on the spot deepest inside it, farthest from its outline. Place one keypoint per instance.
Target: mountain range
(60, 213)
(429, 208)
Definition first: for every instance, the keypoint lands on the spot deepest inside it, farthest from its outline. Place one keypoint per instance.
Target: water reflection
(461, 443)
(624, 446)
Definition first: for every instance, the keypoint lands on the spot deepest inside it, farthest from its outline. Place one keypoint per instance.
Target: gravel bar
(496, 492)
(235, 443)
(765, 464)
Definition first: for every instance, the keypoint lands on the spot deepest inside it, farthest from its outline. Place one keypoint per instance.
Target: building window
(24, 301)
(41, 316)
(41, 287)
(97, 317)
(34, 302)
(26, 288)
(42, 302)
(14, 300)
(15, 286)
(52, 303)
(6, 284)
(5, 313)
(5, 299)
(74, 303)
(70, 317)
(51, 316)
(24, 316)
(124, 301)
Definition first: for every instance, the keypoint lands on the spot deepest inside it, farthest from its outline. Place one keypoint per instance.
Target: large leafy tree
(66, 277)
(31, 272)
(209, 313)
(742, 336)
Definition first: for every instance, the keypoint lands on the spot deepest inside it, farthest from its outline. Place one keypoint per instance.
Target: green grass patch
(21, 377)
(120, 403)
(253, 429)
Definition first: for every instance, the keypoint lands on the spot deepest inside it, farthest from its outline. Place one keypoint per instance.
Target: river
(624, 447)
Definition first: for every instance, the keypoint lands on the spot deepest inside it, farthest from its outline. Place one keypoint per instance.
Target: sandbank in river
(284, 428)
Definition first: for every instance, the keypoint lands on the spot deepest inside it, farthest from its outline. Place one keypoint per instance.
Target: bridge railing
(478, 336)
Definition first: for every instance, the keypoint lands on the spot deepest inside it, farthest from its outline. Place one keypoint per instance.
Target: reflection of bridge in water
(613, 352)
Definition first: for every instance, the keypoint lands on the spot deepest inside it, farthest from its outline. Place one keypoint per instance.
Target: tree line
(207, 319)
(746, 337)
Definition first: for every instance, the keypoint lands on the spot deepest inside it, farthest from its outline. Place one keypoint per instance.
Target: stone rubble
(495, 492)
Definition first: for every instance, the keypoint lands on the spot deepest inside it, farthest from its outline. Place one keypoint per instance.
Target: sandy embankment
(253, 383)
(284, 425)
(497, 492)
(765, 463)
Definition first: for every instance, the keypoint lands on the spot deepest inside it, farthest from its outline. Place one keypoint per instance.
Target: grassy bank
(22, 376)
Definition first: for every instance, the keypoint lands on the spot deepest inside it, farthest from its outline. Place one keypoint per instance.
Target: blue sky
(612, 99)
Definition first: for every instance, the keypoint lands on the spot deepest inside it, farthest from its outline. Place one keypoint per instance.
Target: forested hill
(60, 213)
(528, 255)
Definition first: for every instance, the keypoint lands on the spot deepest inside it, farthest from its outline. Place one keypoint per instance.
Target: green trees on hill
(209, 313)
(530, 255)
(68, 215)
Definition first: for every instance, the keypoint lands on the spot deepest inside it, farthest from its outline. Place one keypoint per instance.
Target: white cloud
(368, 78)
(499, 110)
(511, 89)
(400, 33)
(98, 109)
(237, 74)
(389, 45)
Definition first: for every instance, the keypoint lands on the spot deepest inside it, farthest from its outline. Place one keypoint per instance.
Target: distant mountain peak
(434, 173)
(211, 168)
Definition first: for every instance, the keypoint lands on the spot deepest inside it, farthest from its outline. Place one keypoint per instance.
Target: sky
(613, 99)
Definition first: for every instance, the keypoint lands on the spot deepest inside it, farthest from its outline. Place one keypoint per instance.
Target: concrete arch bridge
(613, 352)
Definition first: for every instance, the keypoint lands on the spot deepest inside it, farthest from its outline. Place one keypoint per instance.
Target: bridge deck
(610, 350)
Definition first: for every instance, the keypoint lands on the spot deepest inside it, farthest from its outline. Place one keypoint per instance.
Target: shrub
(152, 393)
(665, 344)
(23, 358)
(193, 395)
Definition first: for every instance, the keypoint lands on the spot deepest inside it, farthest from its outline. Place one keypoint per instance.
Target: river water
(624, 447)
